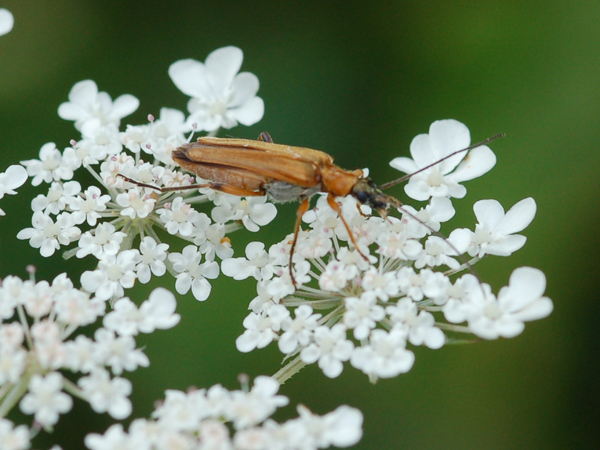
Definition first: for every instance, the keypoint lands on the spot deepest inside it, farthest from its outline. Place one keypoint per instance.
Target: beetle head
(367, 193)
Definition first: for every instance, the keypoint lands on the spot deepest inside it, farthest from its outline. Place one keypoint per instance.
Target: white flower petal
(447, 136)
(245, 86)
(189, 77)
(404, 164)
(478, 161)
(250, 112)
(518, 217)
(222, 65)
(201, 289)
(14, 177)
(123, 106)
(489, 213)
(506, 246)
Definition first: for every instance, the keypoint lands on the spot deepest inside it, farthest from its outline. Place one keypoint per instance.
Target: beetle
(284, 173)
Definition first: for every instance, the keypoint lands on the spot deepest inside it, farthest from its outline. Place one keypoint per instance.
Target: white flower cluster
(369, 311)
(195, 420)
(37, 341)
(120, 217)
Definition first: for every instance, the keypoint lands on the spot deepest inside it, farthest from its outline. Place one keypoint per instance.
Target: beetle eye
(362, 196)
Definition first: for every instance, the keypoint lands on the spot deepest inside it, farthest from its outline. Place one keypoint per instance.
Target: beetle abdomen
(281, 192)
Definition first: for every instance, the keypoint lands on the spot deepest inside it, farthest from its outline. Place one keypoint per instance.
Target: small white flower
(169, 128)
(336, 276)
(330, 348)
(121, 164)
(386, 355)
(48, 235)
(438, 210)
(86, 103)
(426, 283)
(12, 364)
(339, 428)
(59, 197)
(298, 332)
(99, 141)
(494, 234)
(158, 312)
(261, 329)
(81, 355)
(362, 314)
(11, 437)
(49, 348)
(521, 301)
(106, 395)
(420, 325)
(438, 251)
(137, 203)
(45, 399)
(256, 264)
(254, 212)
(183, 412)
(312, 246)
(250, 408)
(113, 274)
(7, 21)
(114, 438)
(11, 336)
(220, 96)
(398, 242)
(88, 207)
(192, 274)
(38, 300)
(12, 293)
(118, 352)
(104, 241)
(381, 285)
(444, 138)
(75, 308)
(212, 241)
(152, 256)
(50, 166)
(179, 217)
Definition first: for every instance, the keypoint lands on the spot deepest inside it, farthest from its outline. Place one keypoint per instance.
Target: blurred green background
(358, 80)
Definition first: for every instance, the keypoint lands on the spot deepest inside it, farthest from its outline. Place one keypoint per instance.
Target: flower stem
(289, 370)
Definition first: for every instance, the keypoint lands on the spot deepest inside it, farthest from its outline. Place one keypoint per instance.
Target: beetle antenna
(406, 177)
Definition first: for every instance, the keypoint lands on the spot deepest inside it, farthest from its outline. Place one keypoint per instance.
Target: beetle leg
(241, 192)
(137, 183)
(358, 205)
(265, 137)
(301, 210)
(227, 189)
(336, 207)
